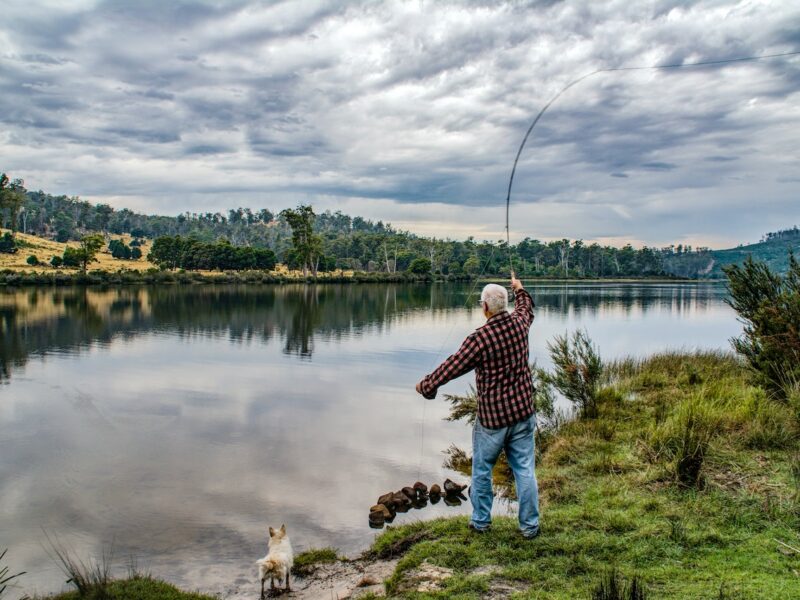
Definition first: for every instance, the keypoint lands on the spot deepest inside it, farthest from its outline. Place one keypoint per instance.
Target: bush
(420, 266)
(769, 306)
(7, 244)
(119, 250)
(136, 252)
(685, 436)
(71, 258)
(56, 261)
(32, 261)
(578, 370)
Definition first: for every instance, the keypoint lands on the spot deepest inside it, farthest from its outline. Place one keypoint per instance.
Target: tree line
(318, 242)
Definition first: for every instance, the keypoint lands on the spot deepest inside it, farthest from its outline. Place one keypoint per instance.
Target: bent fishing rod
(705, 63)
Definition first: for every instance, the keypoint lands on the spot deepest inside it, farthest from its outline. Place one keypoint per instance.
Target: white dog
(278, 561)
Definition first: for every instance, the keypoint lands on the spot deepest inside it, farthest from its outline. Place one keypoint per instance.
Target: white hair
(496, 298)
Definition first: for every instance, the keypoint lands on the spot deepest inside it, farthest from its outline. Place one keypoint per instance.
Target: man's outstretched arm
(523, 303)
(456, 365)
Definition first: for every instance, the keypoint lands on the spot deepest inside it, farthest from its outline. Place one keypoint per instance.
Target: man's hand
(423, 394)
(516, 284)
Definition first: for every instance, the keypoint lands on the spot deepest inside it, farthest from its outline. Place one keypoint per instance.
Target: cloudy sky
(412, 112)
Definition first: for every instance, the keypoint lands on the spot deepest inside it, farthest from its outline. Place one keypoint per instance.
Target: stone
(451, 487)
(410, 492)
(435, 490)
(387, 500)
(400, 499)
(376, 518)
(387, 514)
(421, 489)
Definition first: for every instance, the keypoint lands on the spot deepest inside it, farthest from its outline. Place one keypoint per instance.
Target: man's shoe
(531, 536)
(472, 527)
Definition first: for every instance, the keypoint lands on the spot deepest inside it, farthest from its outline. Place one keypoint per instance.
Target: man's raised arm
(523, 303)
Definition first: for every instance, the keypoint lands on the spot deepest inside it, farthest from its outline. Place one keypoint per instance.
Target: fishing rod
(575, 82)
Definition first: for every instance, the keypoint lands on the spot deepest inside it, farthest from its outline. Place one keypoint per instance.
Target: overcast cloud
(412, 112)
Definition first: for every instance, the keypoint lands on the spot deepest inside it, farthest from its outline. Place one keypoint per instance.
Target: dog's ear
(271, 532)
(283, 529)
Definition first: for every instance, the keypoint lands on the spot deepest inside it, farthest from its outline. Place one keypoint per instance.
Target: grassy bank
(139, 587)
(612, 497)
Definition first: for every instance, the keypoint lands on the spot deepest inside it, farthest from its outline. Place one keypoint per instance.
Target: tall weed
(91, 579)
(684, 437)
(613, 587)
(5, 578)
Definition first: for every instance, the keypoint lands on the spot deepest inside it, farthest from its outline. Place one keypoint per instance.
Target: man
(498, 351)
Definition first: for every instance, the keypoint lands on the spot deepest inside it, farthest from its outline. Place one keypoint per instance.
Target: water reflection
(180, 422)
(40, 321)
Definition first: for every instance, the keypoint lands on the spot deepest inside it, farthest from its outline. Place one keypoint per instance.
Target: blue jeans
(517, 440)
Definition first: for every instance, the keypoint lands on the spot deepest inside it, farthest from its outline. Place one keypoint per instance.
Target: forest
(303, 239)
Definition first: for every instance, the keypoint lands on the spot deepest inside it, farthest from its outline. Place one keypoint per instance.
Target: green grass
(138, 587)
(612, 497)
(306, 562)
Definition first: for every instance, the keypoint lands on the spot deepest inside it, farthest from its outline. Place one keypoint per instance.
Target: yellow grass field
(44, 250)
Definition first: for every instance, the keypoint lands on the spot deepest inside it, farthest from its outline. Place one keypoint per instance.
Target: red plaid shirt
(498, 351)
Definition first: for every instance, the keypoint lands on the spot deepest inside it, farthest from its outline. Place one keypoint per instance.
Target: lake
(178, 423)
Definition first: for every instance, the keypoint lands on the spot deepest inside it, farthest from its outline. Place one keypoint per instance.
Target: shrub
(71, 258)
(56, 261)
(769, 306)
(578, 370)
(119, 249)
(32, 261)
(420, 266)
(7, 244)
(685, 436)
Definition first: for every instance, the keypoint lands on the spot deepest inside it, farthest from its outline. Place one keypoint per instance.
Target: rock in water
(453, 500)
(382, 508)
(387, 500)
(421, 489)
(401, 499)
(451, 487)
(376, 519)
(435, 491)
(410, 492)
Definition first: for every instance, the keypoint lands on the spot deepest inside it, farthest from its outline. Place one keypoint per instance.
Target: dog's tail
(267, 565)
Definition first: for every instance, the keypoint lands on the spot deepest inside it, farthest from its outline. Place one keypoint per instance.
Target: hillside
(45, 249)
(773, 249)
(775, 252)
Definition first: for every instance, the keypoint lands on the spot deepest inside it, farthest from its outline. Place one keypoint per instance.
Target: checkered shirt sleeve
(498, 352)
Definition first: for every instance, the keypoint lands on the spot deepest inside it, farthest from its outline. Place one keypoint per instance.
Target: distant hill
(773, 249)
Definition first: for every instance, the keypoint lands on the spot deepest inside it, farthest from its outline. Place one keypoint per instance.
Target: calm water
(179, 423)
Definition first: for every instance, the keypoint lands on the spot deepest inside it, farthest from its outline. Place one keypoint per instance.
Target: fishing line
(704, 63)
